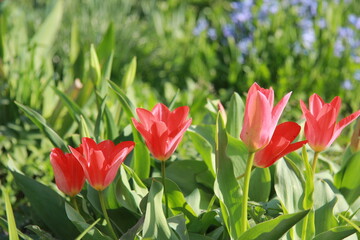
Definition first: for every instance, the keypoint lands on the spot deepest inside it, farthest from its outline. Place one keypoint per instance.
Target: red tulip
(162, 129)
(321, 128)
(260, 117)
(280, 145)
(101, 162)
(69, 175)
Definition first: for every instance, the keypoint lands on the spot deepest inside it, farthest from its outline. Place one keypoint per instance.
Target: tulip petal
(161, 112)
(343, 123)
(336, 103)
(287, 130)
(256, 131)
(279, 108)
(315, 104)
(177, 117)
(126, 145)
(174, 142)
(146, 117)
(106, 147)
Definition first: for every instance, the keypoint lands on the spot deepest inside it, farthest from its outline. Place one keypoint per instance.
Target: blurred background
(206, 49)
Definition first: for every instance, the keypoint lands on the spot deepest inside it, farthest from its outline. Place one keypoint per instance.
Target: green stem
(211, 203)
(304, 227)
(163, 165)
(103, 208)
(316, 155)
(242, 175)
(74, 203)
(249, 165)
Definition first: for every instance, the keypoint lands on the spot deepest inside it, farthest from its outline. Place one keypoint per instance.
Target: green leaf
(336, 233)
(126, 196)
(106, 47)
(124, 100)
(226, 187)
(324, 217)
(87, 231)
(141, 159)
(275, 228)
(177, 224)
(112, 130)
(204, 148)
(47, 33)
(98, 123)
(235, 115)
(95, 70)
(347, 180)
(129, 77)
(237, 152)
(155, 224)
(84, 130)
(189, 168)
(289, 185)
(74, 42)
(289, 189)
(48, 206)
(177, 202)
(261, 183)
(10, 217)
(132, 232)
(74, 110)
(40, 122)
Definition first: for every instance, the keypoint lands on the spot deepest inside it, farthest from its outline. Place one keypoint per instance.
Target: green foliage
(72, 69)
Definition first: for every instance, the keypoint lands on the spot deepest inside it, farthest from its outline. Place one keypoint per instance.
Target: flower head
(321, 128)
(101, 161)
(69, 175)
(162, 129)
(280, 145)
(260, 117)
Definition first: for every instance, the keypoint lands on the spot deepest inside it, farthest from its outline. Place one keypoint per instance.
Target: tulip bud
(222, 111)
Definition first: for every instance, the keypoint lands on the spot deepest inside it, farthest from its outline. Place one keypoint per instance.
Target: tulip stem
(249, 165)
(163, 165)
(103, 208)
(316, 155)
(74, 203)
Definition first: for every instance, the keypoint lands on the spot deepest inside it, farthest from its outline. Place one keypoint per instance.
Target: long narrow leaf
(10, 217)
(40, 122)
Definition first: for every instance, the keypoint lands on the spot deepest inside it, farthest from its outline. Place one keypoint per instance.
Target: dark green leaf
(275, 228)
(49, 206)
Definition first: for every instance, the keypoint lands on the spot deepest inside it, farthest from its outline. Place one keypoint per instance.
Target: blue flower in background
(308, 37)
(354, 20)
(228, 30)
(244, 45)
(339, 48)
(357, 75)
(201, 26)
(212, 34)
(347, 85)
(321, 23)
(241, 17)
